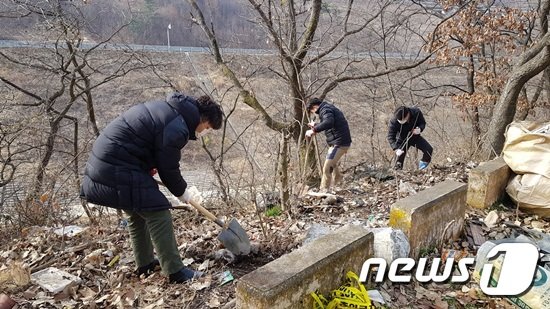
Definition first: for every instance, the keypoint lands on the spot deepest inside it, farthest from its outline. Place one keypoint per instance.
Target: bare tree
(479, 39)
(314, 43)
(532, 62)
(65, 74)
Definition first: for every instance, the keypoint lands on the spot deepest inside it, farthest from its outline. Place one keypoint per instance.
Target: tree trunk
(44, 161)
(283, 171)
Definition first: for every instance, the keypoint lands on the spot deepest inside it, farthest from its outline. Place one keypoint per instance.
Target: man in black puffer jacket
(335, 126)
(404, 131)
(147, 137)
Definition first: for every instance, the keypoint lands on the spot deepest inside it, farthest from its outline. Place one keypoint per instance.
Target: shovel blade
(235, 239)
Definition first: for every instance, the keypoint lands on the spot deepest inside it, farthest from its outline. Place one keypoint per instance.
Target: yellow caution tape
(352, 294)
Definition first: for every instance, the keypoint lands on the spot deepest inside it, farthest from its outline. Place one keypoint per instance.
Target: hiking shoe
(147, 269)
(185, 274)
(423, 165)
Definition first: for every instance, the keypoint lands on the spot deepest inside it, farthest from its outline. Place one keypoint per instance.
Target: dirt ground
(101, 255)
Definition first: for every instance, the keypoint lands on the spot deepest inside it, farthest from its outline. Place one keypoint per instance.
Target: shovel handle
(201, 209)
(206, 213)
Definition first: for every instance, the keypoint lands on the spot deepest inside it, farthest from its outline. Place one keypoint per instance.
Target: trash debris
(69, 231)
(376, 296)
(188, 261)
(113, 261)
(54, 280)
(350, 295)
(452, 254)
(474, 233)
(537, 296)
(531, 192)
(527, 152)
(226, 277)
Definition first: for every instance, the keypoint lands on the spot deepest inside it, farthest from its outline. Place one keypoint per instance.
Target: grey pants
(154, 229)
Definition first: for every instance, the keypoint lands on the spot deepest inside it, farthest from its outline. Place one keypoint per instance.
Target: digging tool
(232, 236)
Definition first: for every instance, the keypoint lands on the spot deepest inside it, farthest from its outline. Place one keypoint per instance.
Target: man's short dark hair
(313, 102)
(401, 112)
(210, 111)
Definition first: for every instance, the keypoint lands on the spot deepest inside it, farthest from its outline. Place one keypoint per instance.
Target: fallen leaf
(214, 302)
(204, 265)
(202, 283)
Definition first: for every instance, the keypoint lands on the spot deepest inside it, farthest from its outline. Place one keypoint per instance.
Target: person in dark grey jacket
(149, 136)
(335, 126)
(404, 131)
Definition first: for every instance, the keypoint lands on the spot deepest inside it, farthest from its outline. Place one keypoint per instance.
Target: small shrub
(274, 211)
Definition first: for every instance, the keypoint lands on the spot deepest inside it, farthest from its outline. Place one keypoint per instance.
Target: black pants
(420, 143)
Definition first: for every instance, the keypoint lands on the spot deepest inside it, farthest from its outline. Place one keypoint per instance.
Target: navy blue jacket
(334, 124)
(398, 133)
(148, 135)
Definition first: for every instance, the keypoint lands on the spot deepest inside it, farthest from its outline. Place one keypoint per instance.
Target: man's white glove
(191, 194)
(416, 131)
(399, 152)
(311, 124)
(309, 133)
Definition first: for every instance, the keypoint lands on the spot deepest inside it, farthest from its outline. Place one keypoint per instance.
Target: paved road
(199, 50)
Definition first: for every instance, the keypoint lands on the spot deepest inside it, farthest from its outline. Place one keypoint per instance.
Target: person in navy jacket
(149, 137)
(404, 131)
(335, 126)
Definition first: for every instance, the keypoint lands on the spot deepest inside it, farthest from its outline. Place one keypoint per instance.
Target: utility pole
(168, 34)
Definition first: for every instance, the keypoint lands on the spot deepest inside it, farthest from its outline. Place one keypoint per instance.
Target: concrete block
(432, 216)
(320, 265)
(487, 183)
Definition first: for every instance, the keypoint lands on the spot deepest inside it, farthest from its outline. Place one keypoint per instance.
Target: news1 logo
(516, 272)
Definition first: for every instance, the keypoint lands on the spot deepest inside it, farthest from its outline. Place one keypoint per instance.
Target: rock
(390, 244)
(255, 247)
(331, 200)
(359, 202)
(491, 219)
(537, 225)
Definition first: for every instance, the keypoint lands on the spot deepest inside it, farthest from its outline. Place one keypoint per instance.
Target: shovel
(233, 236)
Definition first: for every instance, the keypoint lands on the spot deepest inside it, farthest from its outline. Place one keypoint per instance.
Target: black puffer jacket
(334, 124)
(398, 133)
(148, 135)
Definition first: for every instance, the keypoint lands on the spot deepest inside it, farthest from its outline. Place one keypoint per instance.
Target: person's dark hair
(313, 102)
(401, 112)
(210, 111)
